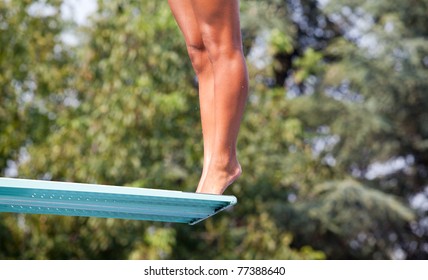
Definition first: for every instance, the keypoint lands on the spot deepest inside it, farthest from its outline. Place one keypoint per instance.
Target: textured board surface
(89, 200)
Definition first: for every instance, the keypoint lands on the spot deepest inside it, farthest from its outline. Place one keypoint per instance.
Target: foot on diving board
(75, 199)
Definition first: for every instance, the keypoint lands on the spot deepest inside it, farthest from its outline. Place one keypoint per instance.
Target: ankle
(227, 163)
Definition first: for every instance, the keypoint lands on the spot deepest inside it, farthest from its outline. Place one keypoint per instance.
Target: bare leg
(219, 25)
(186, 19)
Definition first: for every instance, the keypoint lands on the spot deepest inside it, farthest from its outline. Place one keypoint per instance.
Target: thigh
(186, 20)
(218, 21)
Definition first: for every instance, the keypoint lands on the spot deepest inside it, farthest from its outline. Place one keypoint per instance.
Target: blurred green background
(333, 145)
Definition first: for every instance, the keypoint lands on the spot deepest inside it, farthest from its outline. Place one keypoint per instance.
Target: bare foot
(219, 177)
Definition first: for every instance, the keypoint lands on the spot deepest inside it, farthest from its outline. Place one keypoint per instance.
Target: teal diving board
(90, 200)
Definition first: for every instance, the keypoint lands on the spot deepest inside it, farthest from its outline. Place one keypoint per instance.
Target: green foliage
(121, 108)
(33, 64)
(389, 83)
(351, 214)
(280, 42)
(308, 64)
(371, 99)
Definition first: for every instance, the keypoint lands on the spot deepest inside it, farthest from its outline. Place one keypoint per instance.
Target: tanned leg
(219, 26)
(186, 19)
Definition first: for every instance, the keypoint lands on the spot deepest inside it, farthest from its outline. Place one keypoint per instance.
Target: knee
(198, 56)
(219, 48)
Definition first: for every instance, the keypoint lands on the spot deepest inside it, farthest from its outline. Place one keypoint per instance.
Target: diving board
(90, 200)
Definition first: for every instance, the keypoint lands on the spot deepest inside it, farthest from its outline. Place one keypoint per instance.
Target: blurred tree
(333, 92)
(368, 109)
(33, 64)
(330, 60)
(129, 124)
(34, 72)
